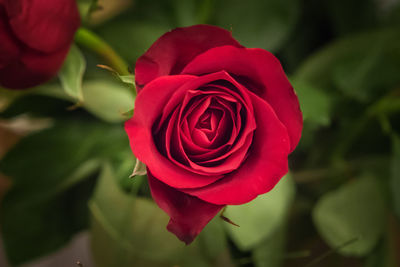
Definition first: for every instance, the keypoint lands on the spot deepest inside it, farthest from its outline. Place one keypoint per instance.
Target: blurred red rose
(35, 38)
(214, 122)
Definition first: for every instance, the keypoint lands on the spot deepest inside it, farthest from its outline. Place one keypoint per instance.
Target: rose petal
(265, 165)
(188, 215)
(42, 24)
(150, 103)
(175, 151)
(32, 69)
(9, 47)
(257, 65)
(190, 116)
(172, 51)
(202, 81)
(235, 155)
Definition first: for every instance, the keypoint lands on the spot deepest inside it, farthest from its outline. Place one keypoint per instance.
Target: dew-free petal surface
(175, 49)
(188, 214)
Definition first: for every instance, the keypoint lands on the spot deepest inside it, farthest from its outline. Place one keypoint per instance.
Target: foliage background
(65, 159)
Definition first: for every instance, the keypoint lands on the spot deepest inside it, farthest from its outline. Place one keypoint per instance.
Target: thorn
(105, 67)
(226, 219)
(75, 106)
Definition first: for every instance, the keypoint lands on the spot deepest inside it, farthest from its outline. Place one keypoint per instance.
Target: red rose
(214, 122)
(35, 38)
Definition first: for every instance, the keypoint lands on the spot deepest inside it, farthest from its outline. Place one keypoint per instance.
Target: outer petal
(265, 165)
(9, 47)
(42, 24)
(189, 215)
(32, 69)
(260, 71)
(150, 103)
(175, 49)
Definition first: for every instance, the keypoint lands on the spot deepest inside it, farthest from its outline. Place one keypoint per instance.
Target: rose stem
(96, 44)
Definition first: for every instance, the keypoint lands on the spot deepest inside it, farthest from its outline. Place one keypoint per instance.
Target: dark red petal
(9, 48)
(266, 164)
(179, 95)
(177, 155)
(175, 49)
(188, 215)
(42, 24)
(238, 152)
(32, 69)
(264, 70)
(150, 103)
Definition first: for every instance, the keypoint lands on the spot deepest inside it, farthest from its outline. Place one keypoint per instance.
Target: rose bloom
(214, 122)
(35, 36)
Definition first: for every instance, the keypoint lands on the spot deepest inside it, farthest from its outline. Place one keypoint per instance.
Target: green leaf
(267, 24)
(362, 66)
(86, 7)
(212, 239)
(131, 38)
(131, 231)
(7, 97)
(315, 103)
(107, 100)
(356, 210)
(50, 171)
(378, 257)
(128, 79)
(262, 216)
(345, 21)
(71, 73)
(191, 12)
(270, 252)
(395, 178)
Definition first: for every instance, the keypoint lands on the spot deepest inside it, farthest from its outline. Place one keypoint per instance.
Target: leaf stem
(88, 39)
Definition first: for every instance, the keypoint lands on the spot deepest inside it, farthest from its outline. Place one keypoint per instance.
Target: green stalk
(96, 44)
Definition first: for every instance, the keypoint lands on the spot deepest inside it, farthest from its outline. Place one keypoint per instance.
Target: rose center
(209, 121)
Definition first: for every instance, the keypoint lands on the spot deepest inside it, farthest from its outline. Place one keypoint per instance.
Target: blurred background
(65, 192)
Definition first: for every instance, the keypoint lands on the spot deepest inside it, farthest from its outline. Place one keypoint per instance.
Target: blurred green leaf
(86, 7)
(107, 100)
(131, 231)
(71, 73)
(128, 79)
(41, 211)
(362, 66)
(354, 211)
(378, 257)
(270, 252)
(385, 106)
(395, 179)
(258, 23)
(315, 103)
(132, 38)
(345, 20)
(191, 12)
(212, 239)
(7, 97)
(262, 216)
